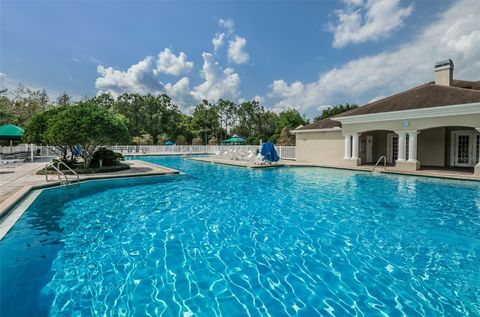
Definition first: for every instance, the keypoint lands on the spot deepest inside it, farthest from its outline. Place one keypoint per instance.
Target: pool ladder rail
(65, 181)
(384, 158)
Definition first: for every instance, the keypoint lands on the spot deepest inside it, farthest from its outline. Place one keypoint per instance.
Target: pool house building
(435, 125)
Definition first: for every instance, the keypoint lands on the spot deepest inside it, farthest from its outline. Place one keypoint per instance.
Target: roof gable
(424, 96)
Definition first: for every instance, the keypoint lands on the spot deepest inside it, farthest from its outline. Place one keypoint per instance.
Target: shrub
(213, 141)
(144, 139)
(181, 140)
(197, 141)
(108, 157)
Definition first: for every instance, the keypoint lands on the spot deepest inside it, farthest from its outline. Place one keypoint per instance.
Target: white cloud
(180, 92)
(454, 35)
(259, 99)
(236, 50)
(219, 83)
(281, 89)
(353, 2)
(373, 20)
(139, 78)
(170, 64)
(228, 25)
(218, 40)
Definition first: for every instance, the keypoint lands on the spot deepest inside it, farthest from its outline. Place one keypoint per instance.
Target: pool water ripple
(226, 241)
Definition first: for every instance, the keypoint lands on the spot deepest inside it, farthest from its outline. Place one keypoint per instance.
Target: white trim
(443, 111)
(315, 130)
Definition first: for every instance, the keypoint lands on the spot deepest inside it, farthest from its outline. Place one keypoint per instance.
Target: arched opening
(377, 143)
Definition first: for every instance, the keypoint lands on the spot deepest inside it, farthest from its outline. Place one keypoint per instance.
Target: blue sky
(304, 54)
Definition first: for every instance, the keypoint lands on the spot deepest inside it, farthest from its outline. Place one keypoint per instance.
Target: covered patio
(446, 149)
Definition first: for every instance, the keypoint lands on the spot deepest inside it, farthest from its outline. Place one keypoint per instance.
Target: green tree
(63, 99)
(332, 111)
(22, 104)
(290, 119)
(6, 116)
(205, 121)
(103, 100)
(86, 124)
(36, 127)
(285, 137)
(180, 140)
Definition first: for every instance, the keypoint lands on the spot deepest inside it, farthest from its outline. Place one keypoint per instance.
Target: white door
(463, 145)
(392, 147)
(369, 154)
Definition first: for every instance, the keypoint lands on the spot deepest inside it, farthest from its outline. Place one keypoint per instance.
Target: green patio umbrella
(11, 132)
(234, 139)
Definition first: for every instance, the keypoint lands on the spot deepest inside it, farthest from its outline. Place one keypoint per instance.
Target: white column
(31, 152)
(402, 146)
(412, 146)
(355, 137)
(348, 147)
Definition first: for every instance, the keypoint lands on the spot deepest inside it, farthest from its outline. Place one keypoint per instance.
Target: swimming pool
(232, 241)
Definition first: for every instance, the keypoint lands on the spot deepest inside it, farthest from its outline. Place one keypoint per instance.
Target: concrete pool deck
(249, 164)
(425, 172)
(17, 182)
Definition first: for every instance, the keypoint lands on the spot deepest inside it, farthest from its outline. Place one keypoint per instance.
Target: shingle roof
(322, 124)
(424, 96)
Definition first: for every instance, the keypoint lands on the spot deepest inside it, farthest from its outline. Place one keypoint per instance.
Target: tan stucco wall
(471, 120)
(320, 147)
(431, 147)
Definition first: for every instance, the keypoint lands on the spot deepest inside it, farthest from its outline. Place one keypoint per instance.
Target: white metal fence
(285, 152)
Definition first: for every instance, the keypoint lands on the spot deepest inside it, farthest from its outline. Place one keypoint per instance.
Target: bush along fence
(285, 152)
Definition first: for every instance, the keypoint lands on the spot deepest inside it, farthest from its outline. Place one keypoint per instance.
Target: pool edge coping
(16, 200)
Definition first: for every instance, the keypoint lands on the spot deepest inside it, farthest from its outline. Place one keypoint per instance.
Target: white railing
(285, 152)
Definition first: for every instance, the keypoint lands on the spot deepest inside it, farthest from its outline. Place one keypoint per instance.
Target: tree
(180, 140)
(286, 138)
(332, 111)
(103, 100)
(23, 104)
(291, 119)
(36, 127)
(63, 99)
(86, 124)
(197, 141)
(5, 105)
(144, 139)
(205, 121)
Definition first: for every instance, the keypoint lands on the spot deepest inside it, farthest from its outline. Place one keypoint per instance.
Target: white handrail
(378, 162)
(59, 173)
(71, 170)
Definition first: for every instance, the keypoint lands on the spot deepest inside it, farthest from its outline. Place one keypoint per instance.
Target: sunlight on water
(227, 241)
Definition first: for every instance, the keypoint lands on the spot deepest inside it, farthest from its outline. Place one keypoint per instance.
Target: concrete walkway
(16, 182)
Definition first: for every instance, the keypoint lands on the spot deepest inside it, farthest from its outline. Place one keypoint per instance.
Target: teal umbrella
(10, 132)
(234, 140)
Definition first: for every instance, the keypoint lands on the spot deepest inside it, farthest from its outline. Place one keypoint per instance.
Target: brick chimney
(444, 72)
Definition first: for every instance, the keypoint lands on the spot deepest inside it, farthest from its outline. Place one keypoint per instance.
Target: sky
(302, 54)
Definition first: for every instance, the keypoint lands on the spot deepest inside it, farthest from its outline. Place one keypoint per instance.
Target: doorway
(464, 148)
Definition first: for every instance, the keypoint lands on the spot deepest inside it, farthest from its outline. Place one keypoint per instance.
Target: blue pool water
(229, 241)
